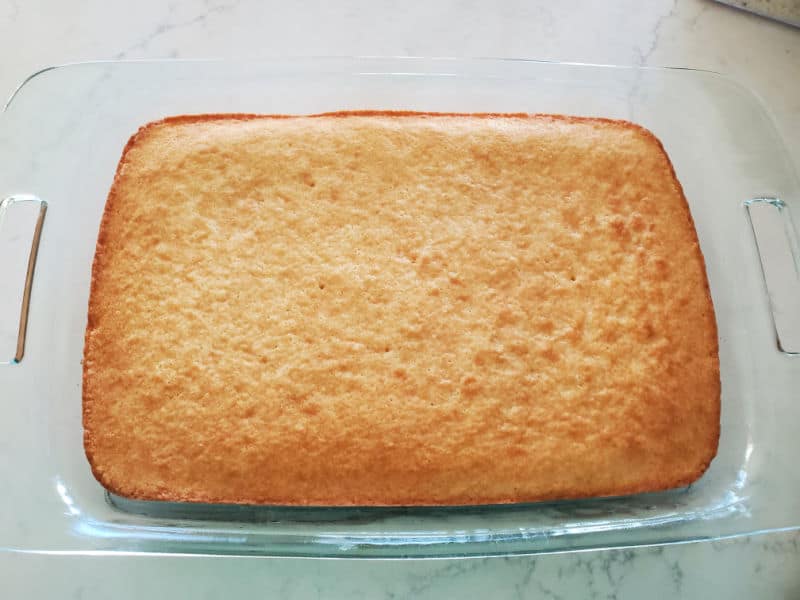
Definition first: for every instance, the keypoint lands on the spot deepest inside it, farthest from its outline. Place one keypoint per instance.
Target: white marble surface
(760, 54)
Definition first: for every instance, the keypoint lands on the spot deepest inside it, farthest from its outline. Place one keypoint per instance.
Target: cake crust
(397, 308)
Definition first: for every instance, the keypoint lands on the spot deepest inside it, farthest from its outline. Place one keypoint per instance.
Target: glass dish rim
(364, 57)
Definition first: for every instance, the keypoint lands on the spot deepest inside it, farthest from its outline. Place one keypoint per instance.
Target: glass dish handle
(21, 219)
(776, 241)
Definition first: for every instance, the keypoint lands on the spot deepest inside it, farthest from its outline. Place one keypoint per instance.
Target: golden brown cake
(397, 309)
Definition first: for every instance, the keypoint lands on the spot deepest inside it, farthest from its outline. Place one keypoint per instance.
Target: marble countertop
(761, 54)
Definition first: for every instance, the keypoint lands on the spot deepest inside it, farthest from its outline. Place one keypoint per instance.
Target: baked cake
(379, 308)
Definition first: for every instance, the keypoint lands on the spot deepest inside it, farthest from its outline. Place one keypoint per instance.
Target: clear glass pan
(61, 136)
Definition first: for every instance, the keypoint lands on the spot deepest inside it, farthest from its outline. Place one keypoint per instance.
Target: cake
(397, 308)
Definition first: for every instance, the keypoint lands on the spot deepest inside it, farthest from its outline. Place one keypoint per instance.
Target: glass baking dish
(61, 136)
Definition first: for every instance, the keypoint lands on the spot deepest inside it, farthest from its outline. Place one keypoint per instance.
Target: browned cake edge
(657, 483)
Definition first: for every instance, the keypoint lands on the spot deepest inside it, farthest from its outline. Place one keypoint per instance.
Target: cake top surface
(397, 309)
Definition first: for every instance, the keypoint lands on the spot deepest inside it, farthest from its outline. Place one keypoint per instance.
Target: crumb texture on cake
(397, 309)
